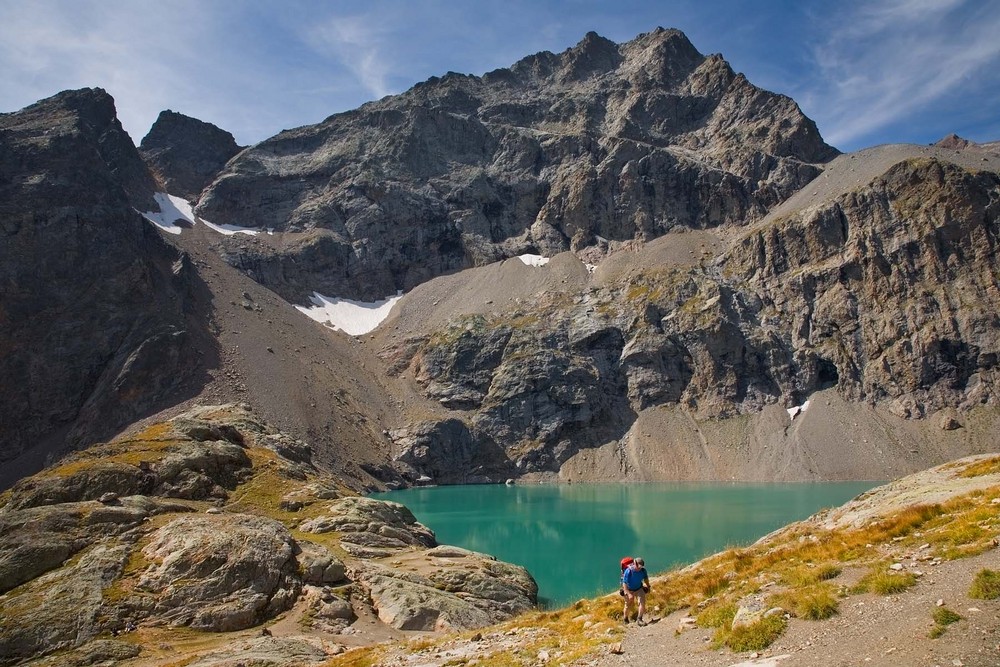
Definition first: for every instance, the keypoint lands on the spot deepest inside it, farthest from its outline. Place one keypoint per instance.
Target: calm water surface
(571, 537)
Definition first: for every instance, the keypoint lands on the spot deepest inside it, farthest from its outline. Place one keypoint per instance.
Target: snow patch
(171, 210)
(351, 317)
(534, 260)
(797, 410)
(229, 230)
(174, 208)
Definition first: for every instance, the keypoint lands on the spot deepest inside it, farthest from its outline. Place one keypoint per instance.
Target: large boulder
(40, 539)
(371, 528)
(459, 589)
(218, 572)
(61, 609)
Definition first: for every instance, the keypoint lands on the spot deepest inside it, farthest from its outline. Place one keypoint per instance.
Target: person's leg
(628, 603)
(641, 600)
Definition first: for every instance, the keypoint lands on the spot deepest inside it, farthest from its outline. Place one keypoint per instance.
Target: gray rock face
(41, 539)
(76, 257)
(186, 153)
(887, 293)
(219, 572)
(490, 592)
(60, 609)
(448, 453)
(371, 528)
(604, 140)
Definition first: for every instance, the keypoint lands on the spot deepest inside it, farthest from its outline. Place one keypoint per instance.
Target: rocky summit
(601, 143)
(622, 262)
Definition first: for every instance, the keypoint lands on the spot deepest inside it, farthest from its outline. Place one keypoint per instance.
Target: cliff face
(892, 288)
(558, 152)
(886, 293)
(92, 322)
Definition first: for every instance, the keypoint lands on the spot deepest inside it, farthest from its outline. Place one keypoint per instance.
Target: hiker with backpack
(634, 586)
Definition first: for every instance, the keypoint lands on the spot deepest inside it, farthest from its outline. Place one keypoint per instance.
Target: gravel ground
(870, 630)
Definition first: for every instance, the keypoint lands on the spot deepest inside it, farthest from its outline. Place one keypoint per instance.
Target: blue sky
(866, 72)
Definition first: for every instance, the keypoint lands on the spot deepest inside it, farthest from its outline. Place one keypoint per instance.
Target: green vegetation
(718, 615)
(885, 582)
(756, 636)
(986, 585)
(943, 617)
(990, 466)
(812, 602)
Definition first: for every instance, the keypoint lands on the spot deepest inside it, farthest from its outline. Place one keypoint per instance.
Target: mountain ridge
(725, 298)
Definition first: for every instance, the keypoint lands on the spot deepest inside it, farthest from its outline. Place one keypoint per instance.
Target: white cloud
(359, 44)
(895, 59)
(142, 54)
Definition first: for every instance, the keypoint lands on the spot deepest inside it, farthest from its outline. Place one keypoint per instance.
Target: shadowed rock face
(186, 153)
(604, 140)
(92, 312)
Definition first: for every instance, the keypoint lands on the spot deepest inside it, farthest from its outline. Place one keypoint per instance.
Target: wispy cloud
(142, 55)
(891, 60)
(358, 43)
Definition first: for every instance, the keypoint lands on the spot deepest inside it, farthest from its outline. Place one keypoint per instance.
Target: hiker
(635, 585)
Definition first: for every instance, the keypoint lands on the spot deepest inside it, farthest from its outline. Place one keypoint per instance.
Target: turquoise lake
(572, 537)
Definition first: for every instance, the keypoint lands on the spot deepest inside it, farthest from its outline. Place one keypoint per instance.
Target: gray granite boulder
(219, 572)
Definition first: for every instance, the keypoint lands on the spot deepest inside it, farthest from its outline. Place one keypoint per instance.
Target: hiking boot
(626, 620)
(640, 623)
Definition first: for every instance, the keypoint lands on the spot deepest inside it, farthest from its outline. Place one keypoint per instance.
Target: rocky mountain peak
(186, 153)
(593, 55)
(953, 141)
(93, 330)
(462, 170)
(74, 118)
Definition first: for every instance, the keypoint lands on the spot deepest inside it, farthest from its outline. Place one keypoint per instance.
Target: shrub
(986, 585)
(943, 617)
(885, 583)
(806, 576)
(718, 615)
(756, 636)
(813, 603)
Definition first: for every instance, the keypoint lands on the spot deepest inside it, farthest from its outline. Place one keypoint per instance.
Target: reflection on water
(571, 537)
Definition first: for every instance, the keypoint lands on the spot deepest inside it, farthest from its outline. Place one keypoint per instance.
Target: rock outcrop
(186, 153)
(93, 319)
(198, 535)
(602, 141)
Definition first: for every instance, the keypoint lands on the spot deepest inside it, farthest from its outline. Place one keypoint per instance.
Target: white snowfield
(534, 260)
(352, 317)
(174, 208)
(797, 410)
(360, 317)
